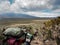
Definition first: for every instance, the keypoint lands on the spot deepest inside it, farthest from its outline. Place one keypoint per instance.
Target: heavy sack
(12, 31)
(11, 41)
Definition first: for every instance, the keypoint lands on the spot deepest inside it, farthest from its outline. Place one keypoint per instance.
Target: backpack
(12, 31)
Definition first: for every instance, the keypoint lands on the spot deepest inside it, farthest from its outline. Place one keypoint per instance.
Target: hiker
(29, 38)
(12, 32)
(18, 38)
(6, 37)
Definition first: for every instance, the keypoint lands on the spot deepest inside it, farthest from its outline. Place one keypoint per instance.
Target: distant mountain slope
(14, 15)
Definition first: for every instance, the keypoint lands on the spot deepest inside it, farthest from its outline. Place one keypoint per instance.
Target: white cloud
(28, 5)
(4, 6)
(42, 14)
(57, 11)
(31, 7)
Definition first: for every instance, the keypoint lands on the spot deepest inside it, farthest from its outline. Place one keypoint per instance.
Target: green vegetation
(52, 26)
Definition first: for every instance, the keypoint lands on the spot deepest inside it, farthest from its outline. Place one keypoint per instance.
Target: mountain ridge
(14, 15)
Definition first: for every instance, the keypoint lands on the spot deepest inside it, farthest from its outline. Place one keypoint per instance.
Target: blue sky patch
(11, 1)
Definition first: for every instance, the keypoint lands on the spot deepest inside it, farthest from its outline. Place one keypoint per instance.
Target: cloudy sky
(38, 8)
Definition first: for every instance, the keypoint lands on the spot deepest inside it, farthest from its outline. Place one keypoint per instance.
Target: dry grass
(35, 24)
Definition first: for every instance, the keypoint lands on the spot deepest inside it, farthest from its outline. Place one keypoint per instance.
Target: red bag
(11, 41)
